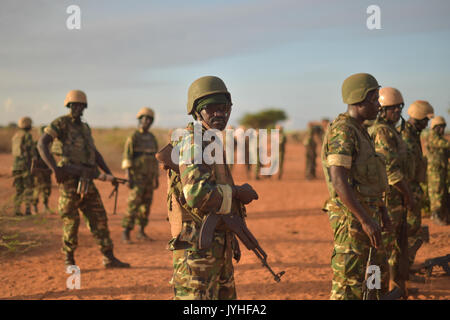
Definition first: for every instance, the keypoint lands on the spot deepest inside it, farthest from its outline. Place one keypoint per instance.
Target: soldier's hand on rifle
(373, 231)
(245, 193)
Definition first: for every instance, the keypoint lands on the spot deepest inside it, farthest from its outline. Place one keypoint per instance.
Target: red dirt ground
(287, 221)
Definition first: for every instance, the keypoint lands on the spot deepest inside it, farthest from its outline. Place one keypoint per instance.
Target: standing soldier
(42, 179)
(389, 143)
(197, 190)
(438, 153)
(419, 114)
(311, 154)
(142, 173)
(78, 150)
(283, 140)
(356, 180)
(22, 151)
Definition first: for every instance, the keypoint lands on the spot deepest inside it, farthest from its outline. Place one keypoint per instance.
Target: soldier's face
(145, 122)
(370, 106)
(440, 129)
(77, 109)
(393, 113)
(216, 115)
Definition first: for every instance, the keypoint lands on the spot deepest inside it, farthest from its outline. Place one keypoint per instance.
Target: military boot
(141, 235)
(126, 236)
(28, 211)
(69, 260)
(35, 207)
(110, 261)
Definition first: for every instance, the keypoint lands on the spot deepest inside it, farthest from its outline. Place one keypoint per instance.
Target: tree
(264, 119)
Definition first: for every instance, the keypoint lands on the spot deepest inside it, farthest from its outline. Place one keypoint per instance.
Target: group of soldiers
(373, 177)
(314, 132)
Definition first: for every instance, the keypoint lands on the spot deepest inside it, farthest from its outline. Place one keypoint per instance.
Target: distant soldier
(142, 171)
(282, 141)
(356, 180)
(389, 143)
(419, 114)
(77, 191)
(22, 151)
(197, 190)
(311, 153)
(437, 171)
(42, 179)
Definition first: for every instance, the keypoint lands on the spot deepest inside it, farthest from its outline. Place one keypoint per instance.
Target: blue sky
(287, 54)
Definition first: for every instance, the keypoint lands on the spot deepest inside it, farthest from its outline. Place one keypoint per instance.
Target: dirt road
(287, 221)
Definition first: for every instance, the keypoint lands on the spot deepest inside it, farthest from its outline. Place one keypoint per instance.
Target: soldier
(282, 150)
(311, 154)
(356, 179)
(198, 189)
(22, 151)
(78, 149)
(437, 170)
(389, 143)
(42, 179)
(142, 173)
(419, 114)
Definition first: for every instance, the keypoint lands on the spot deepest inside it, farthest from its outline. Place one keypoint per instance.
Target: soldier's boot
(28, 211)
(69, 259)
(437, 220)
(397, 284)
(126, 236)
(35, 207)
(17, 211)
(141, 235)
(110, 261)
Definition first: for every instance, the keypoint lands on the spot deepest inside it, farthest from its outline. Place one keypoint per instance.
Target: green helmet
(356, 87)
(202, 87)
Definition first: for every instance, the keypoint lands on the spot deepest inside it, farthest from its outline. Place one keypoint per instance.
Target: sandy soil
(287, 221)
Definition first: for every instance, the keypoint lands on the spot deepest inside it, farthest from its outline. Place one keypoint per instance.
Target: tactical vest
(367, 173)
(22, 153)
(402, 149)
(417, 165)
(78, 146)
(143, 151)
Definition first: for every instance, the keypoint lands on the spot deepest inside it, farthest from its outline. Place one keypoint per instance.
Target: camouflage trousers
(93, 210)
(351, 252)
(139, 202)
(414, 220)
(23, 182)
(42, 185)
(396, 212)
(202, 274)
(438, 193)
(281, 165)
(310, 168)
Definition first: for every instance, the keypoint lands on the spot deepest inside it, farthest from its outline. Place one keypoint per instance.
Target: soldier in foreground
(197, 190)
(42, 179)
(22, 151)
(399, 199)
(356, 180)
(142, 173)
(419, 114)
(437, 171)
(77, 191)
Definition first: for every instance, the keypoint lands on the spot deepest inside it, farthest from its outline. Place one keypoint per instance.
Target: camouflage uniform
(22, 151)
(199, 189)
(348, 144)
(416, 173)
(283, 140)
(310, 145)
(437, 170)
(78, 148)
(389, 143)
(139, 158)
(42, 180)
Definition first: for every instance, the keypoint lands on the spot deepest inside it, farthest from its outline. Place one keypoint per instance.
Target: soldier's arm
(127, 160)
(101, 162)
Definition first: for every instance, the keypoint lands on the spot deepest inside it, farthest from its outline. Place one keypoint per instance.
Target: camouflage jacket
(197, 187)
(416, 170)
(139, 156)
(438, 152)
(389, 143)
(22, 150)
(75, 140)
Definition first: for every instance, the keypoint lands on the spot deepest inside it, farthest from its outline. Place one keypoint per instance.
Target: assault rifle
(233, 222)
(439, 261)
(116, 191)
